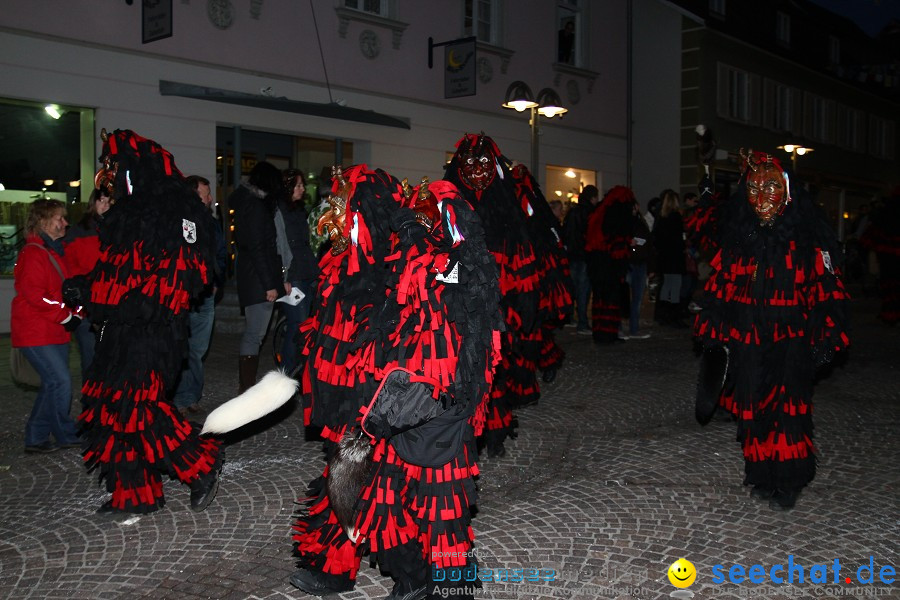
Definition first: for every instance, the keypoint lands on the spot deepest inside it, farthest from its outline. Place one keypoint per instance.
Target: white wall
(125, 95)
(656, 99)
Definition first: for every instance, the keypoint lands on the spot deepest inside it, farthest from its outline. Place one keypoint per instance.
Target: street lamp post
(547, 103)
(795, 150)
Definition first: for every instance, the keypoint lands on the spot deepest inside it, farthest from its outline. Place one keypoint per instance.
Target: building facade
(776, 74)
(329, 57)
(225, 83)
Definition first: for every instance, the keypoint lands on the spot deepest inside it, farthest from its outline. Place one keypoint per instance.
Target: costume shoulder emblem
(826, 260)
(451, 277)
(189, 231)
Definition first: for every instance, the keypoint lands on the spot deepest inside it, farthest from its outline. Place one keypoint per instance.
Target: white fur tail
(271, 392)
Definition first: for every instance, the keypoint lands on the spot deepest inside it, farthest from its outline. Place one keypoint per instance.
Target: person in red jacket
(40, 325)
(82, 245)
(608, 247)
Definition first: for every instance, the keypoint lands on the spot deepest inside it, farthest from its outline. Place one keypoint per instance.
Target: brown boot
(247, 366)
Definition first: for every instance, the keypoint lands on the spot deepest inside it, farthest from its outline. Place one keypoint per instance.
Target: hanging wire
(321, 52)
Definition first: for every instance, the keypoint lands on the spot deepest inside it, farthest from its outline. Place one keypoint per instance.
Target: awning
(329, 111)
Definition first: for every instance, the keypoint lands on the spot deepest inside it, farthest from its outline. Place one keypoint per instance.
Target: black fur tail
(348, 471)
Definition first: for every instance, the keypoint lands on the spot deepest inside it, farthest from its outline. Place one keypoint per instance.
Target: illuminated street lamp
(795, 150)
(547, 103)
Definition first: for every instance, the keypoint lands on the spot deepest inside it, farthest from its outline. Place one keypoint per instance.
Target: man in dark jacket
(203, 312)
(574, 233)
(259, 276)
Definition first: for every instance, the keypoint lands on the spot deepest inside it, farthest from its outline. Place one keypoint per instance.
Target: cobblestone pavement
(608, 483)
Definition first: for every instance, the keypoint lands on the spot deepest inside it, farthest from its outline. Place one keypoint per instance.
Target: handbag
(21, 370)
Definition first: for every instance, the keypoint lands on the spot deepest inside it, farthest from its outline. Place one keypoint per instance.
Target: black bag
(423, 430)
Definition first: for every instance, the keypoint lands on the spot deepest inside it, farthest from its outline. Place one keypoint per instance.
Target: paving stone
(608, 483)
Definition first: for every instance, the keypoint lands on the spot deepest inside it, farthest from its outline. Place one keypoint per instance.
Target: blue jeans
(86, 339)
(256, 323)
(190, 387)
(582, 285)
(637, 274)
(294, 315)
(50, 413)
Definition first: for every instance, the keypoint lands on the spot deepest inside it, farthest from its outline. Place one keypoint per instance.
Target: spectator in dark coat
(668, 237)
(259, 276)
(574, 237)
(297, 259)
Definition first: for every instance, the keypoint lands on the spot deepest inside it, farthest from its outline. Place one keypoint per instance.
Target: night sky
(870, 15)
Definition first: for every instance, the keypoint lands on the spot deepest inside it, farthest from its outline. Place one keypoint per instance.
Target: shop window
(46, 150)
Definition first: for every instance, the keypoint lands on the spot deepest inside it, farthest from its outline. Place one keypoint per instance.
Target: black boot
(318, 583)
(247, 366)
(549, 375)
(783, 499)
(762, 492)
(405, 590)
(203, 491)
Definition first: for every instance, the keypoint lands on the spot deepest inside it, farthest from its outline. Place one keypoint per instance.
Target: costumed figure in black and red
(400, 357)
(483, 177)
(555, 304)
(774, 310)
(882, 237)
(154, 258)
(608, 247)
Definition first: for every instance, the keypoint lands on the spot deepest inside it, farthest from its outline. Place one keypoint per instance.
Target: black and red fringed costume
(555, 303)
(776, 303)
(882, 237)
(154, 257)
(608, 246)
(484, 177)
(408, 284)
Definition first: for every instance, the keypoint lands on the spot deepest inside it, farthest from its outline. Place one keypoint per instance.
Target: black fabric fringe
(151, 266)
(781, 308)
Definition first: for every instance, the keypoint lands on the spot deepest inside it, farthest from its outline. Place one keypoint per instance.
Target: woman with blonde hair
(40, 325)
(668, 236)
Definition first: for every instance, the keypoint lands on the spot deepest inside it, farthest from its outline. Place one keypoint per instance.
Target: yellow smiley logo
(682, 573)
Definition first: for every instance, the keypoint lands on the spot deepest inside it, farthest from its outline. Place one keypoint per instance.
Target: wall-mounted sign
(156, 20)
(460, 68)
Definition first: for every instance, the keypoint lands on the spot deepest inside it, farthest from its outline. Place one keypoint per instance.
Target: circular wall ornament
(573, 91)
(485, 70)
(220, 13)
(369, 44)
